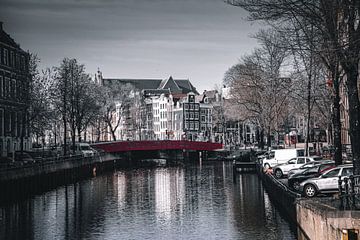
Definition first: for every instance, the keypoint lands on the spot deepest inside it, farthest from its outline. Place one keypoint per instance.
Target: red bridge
(124, 146)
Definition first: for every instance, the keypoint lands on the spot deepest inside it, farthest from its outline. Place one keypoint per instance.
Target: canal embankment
(320, 218)
(317, 218)
(21, 181)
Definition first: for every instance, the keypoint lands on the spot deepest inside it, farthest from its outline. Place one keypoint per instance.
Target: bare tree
(115, 101)
(40, 114)
(72, 97)
(337, 23)
(256, 84)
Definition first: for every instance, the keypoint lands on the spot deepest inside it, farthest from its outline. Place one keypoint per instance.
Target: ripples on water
(193, 202)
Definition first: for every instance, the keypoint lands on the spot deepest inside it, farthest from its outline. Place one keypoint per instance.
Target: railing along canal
(349, 189)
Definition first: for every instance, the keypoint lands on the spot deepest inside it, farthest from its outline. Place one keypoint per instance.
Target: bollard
(347, 205)
(341, 194)
(352, 186)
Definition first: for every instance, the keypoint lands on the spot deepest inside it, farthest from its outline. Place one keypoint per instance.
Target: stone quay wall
(321, 219)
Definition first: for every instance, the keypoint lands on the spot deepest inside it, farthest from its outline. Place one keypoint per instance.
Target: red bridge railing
(123, 146)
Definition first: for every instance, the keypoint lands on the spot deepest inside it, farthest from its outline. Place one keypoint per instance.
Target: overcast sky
(195, 39)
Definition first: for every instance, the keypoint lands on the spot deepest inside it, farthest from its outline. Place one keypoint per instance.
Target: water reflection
(162, 203)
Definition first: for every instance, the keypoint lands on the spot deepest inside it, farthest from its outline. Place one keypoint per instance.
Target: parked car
(283, 169)
(314, 171)
(307, 165)
(24, 157)
(281, 156)
(328, 182)
(83, 149)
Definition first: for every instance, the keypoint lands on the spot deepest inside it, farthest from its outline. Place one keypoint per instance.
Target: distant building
(14, 92)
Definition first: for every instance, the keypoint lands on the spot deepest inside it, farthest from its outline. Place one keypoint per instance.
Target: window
(332, 173)
(191, 115)
(292, 161)
(12, 59)
(191, 98)
(196, 126)
(186, 106)
(203, 118)
(17, 63)
(13, 88)
(1, 86)
(6, 57)
(7, 87)
(196, 115)
(7, 124)
(347, 172)
(301, 160)
(300, 153)
(196, 106)
(1, 122)
(191, 125)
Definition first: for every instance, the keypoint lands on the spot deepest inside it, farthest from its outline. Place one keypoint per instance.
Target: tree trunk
(65, 130)
(262, 138)
(308, 101)
(79, 134)
(336, 120)
(112, 131)
(269, 137)
(73, 136)
(354, 115)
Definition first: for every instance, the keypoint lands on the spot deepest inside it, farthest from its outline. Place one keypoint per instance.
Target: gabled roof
(170, 84)
(175, 85)
(186, 86)
(6, 39)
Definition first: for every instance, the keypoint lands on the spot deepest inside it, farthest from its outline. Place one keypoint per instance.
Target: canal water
(198, 201)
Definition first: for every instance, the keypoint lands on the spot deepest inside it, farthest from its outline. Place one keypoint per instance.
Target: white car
(327, 182)
(280, 156)
(283, 169)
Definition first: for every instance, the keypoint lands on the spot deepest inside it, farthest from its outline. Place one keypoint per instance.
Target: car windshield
(292, 161)
(85, 147)
(312, 170)
(332, 173)
(347, 172)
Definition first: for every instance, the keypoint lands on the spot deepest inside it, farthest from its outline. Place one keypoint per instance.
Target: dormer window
(191, 98)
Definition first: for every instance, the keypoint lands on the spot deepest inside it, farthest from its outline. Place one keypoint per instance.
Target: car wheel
(296, 185)
(278, 173)
(310, 190)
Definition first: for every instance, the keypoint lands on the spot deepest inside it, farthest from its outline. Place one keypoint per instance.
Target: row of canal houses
(172, 109)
